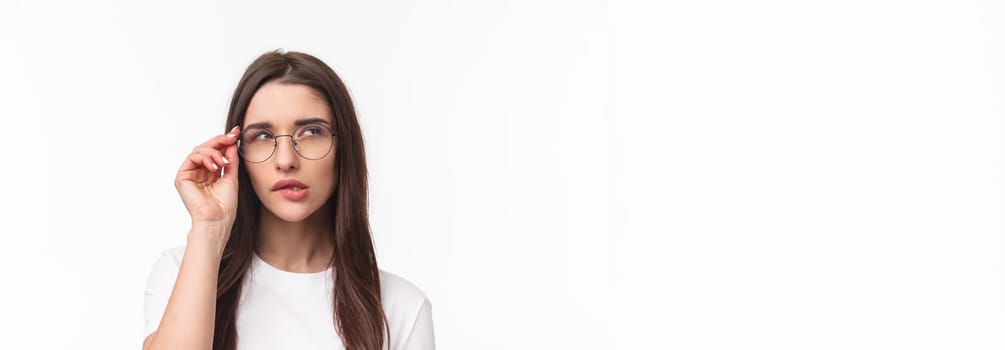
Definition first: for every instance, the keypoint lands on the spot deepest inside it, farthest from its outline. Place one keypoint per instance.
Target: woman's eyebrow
(298, 122)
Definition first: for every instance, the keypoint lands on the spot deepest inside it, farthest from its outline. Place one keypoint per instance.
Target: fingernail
(225, 161)
(214, 166)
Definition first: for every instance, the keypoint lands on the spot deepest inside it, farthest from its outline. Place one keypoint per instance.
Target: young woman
(279, 255)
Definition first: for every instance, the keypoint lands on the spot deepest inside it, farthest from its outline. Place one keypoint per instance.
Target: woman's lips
(291, 189)
(293, 195)
(288, 183)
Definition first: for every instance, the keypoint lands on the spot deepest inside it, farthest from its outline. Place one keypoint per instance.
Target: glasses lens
(313, 141)
(257, 146)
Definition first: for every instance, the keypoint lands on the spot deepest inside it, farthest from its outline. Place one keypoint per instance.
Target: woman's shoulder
(175, 253)
(396, 287)
(169, 258)
(399, 295)
(408, 311)
(395, 290)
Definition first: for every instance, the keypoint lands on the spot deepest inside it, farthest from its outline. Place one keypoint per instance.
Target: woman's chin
(291, 212)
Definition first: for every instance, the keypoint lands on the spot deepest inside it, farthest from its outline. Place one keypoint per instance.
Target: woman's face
(277, 107)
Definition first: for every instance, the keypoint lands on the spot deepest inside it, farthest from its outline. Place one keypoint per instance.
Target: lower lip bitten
(293, 195)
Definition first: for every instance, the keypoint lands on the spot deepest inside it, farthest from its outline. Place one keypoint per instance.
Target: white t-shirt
(287, 310)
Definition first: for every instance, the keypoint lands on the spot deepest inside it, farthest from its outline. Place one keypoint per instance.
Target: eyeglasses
(310, 141)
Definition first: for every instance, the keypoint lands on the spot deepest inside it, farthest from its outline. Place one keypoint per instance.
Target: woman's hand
(211, 199)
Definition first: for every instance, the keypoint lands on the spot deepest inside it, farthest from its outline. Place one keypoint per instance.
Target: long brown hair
(358, 313)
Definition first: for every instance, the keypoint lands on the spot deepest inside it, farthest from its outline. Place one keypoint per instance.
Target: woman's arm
(211, 199)
(188, 320)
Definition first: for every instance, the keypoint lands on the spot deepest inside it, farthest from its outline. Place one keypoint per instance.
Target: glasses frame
(296, 148)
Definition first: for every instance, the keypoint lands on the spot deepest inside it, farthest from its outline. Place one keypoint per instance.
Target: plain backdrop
(554, 174)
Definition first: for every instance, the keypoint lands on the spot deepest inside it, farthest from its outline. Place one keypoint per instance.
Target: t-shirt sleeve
(158, 290)
(421, 336)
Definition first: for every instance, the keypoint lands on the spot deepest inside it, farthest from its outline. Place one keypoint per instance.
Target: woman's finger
(208, 162)
(221, 141)
(194, 161)
(230, 170)
(211, 150)
(193, 169)
(216, 155)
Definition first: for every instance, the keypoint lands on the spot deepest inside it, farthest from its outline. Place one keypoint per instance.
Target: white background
(555, 174)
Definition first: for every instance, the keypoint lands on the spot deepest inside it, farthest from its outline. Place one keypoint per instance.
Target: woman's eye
(262, 136)
(310, 131)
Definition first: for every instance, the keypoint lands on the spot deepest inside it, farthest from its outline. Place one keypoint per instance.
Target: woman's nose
(286, 155)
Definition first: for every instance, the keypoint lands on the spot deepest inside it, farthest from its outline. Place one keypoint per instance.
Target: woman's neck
(302, 247)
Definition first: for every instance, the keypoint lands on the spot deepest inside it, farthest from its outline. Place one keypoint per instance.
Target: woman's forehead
(286, 105)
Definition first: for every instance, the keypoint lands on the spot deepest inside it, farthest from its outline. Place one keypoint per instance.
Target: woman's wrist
(212, 235)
